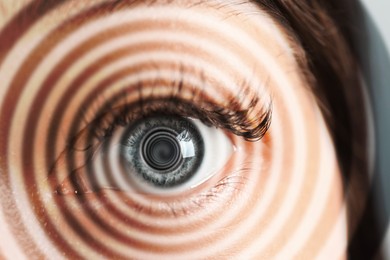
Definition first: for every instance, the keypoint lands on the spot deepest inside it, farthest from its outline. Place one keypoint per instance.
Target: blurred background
(374, 40)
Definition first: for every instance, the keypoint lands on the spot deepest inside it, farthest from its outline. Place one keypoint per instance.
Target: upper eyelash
(233, 118)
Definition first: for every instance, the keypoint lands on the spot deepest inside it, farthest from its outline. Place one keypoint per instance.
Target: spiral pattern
(277, 197)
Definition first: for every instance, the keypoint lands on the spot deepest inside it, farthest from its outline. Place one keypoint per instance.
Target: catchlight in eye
(164, 155)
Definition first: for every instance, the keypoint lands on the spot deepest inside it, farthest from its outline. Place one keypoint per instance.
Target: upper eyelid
(230, 114)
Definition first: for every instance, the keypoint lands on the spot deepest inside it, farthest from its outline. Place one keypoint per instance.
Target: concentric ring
(161, 150)
(100, 58)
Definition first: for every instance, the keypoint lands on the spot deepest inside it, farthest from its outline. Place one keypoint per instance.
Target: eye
(162, 155)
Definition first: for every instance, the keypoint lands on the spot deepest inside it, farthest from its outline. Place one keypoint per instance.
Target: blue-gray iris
(164, 151)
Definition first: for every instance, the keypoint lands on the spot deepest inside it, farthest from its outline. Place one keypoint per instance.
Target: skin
(279, 197)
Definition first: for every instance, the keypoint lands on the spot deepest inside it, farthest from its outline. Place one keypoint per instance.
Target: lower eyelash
(227, 186)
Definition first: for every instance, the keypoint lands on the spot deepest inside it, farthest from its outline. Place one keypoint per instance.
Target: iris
(163, 151)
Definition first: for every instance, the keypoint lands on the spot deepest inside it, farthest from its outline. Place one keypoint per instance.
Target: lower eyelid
(170, 207)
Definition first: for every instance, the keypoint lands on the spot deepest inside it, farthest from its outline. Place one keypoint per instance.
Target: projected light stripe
(269, 198)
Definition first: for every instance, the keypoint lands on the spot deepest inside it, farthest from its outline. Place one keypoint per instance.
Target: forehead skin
(293, 199)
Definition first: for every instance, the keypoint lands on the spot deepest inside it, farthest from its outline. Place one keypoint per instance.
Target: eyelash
(230, 116)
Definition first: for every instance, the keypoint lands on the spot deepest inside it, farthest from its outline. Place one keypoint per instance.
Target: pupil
(161, 150)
